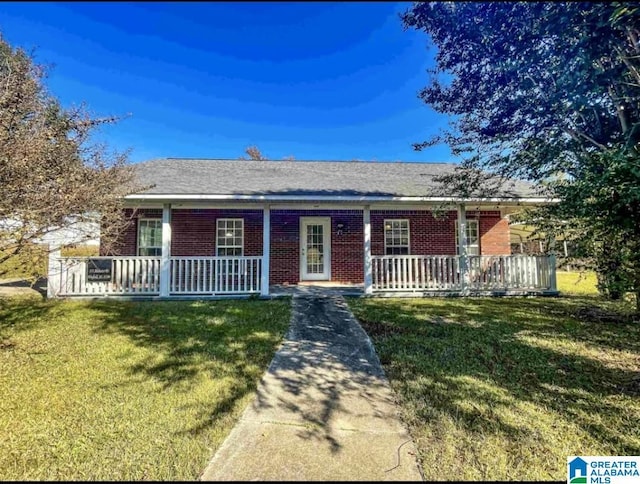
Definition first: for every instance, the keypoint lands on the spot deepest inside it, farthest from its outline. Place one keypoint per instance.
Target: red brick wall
(347, 250)
(126, 243)
(494, 233)
(428, 235)
(193, 233)
(436, 236)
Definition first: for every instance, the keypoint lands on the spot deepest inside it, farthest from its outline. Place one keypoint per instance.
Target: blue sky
(316, 80)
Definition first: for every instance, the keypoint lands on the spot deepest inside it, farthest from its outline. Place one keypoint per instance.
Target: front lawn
(577, 283)
(507, 388)
(126, 390)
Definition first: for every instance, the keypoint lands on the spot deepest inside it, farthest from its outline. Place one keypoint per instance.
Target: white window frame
(140, 247)
(226, 246)
(389, 243)
(472, 248)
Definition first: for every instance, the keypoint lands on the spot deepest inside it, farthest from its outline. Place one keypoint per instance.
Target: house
(209, 227)
(578, 470)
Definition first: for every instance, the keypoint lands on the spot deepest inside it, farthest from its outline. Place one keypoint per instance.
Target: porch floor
(316, 288)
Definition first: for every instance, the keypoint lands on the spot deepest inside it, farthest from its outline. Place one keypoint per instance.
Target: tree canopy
(52, 176)
(547, 92)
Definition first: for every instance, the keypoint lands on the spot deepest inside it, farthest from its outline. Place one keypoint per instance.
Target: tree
(549, 93)
(51, 175)
(254, 154)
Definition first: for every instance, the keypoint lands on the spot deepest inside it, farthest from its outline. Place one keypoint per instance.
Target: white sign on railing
(140, 276)
(82, 276)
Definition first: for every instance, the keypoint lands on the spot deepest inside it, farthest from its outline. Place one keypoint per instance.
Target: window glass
(473, 239)
(230, 237)
(396, 237)
(150, 237)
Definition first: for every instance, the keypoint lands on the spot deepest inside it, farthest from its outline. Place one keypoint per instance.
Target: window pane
(473, 246)
(396, 237)
(472, 232)
(149, 237)
(229, 237)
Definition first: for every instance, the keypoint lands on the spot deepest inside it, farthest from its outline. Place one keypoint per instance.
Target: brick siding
(194, 233)
(347, 249)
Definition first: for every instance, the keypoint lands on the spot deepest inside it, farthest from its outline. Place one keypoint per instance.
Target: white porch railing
(215, 275)
(140, 276)
(412, 273)
(495, 272)
(415, 273)
(129, 276)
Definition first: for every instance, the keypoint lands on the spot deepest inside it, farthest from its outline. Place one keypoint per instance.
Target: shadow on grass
(22, 312)
(471, 358)
(218, 339)
(231, 341)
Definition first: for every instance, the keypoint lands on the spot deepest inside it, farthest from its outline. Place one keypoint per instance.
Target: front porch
(201, 277)
(268, 250)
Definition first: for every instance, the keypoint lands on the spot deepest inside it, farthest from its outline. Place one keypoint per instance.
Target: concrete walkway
(323, 411)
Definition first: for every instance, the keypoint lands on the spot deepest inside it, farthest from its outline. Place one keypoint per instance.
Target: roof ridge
(307, 161)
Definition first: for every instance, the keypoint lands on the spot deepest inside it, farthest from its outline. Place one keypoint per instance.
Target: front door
(315, 248)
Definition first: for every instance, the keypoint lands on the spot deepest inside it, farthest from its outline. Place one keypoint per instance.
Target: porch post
(266, 247)
(553, 284)
(54, 272)
(165, 257)
(462, 246)
(368, 263)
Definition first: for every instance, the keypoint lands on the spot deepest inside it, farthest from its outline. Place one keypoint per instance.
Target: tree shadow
(325, 378)
(20, 313)
(189, 341)
(494, 352)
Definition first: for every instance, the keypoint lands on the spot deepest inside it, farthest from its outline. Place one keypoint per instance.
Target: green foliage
(547, 92)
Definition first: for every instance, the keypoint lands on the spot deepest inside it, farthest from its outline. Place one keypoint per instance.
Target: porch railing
(140, 276)
(129, 276)
(215, 275)
(415, 273)
(489, 272)
(412, 273)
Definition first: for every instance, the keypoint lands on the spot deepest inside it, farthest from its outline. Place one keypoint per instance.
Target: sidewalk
(323, 410)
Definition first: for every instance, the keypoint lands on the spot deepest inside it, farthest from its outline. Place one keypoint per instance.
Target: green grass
(577, 283)
(507, 388)
(114, 390)
(23, 266)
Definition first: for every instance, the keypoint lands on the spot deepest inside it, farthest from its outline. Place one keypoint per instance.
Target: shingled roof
(185, 176)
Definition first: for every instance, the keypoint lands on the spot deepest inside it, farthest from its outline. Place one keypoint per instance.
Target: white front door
(315, 248)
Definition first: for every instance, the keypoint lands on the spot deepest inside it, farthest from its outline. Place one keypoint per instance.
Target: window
(396, 237)
(150, 237)
(230, 240)
(473, 241)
